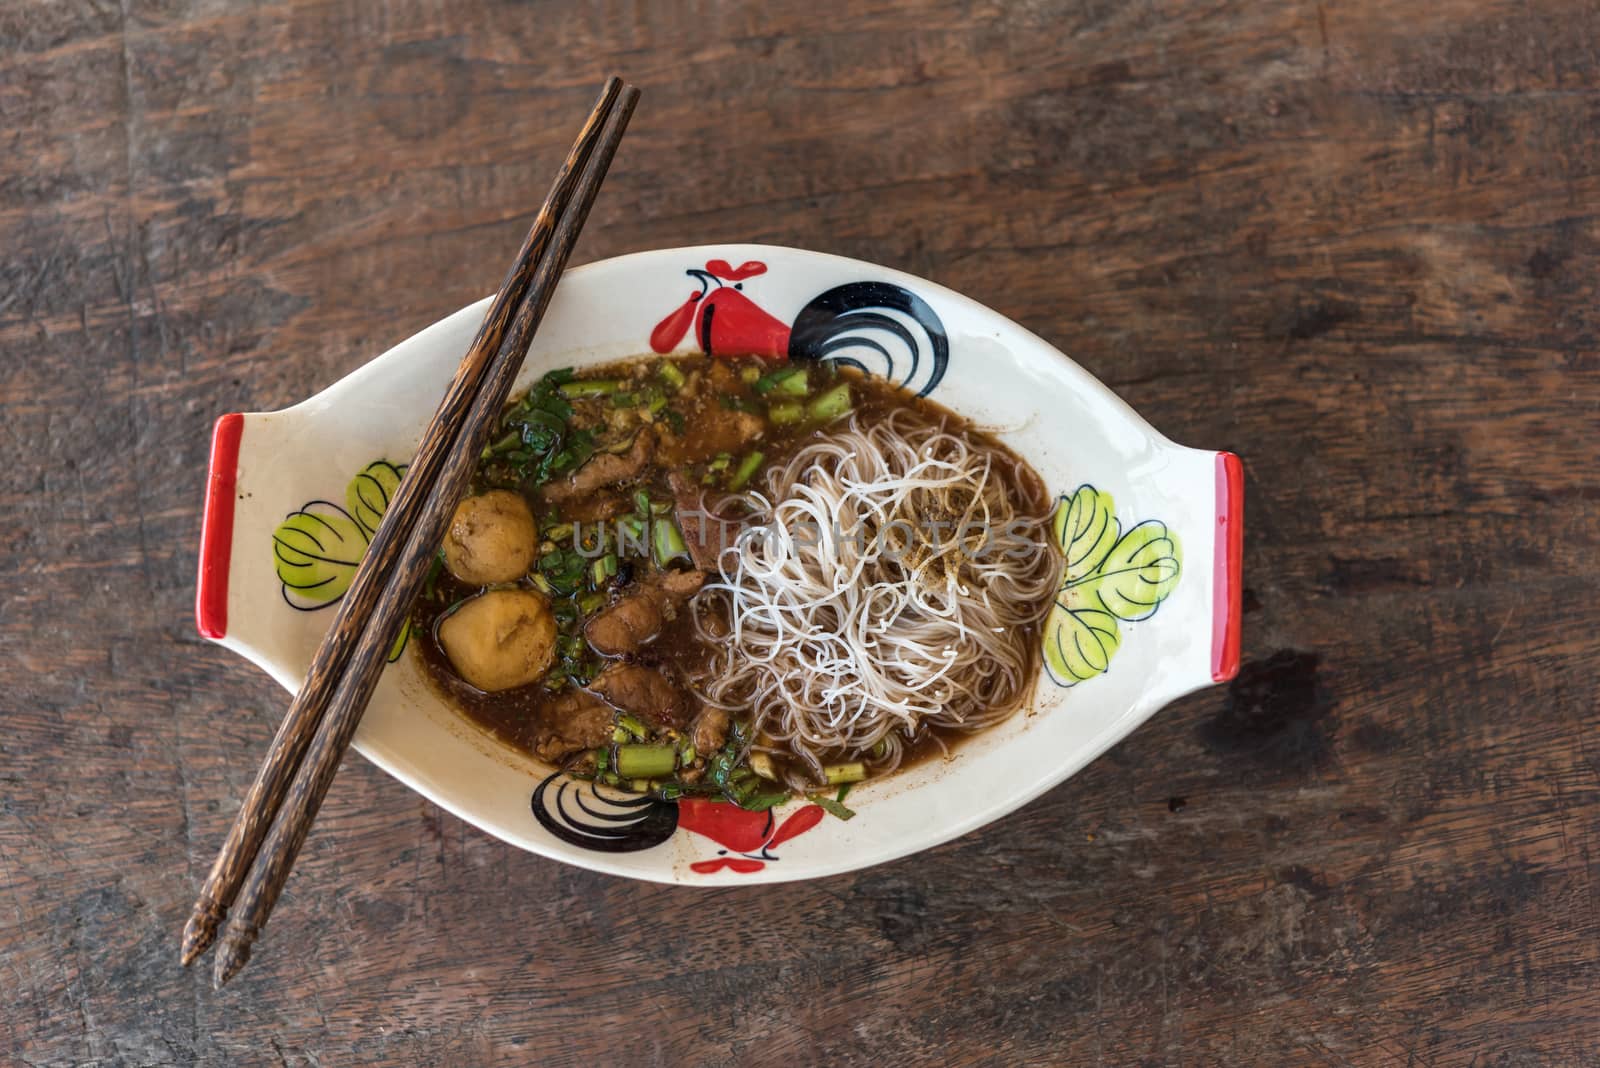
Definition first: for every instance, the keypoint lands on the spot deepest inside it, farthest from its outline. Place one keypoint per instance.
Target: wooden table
(1353, 242)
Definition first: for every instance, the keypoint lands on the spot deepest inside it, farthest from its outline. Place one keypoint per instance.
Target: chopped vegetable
(830, 405)
(762, 765)
(854, 771)
(670, 375)
(674, 420)
(785, 382)
(785, 414)
(617, 448)
(625, 400)
(833, 808)
(591, 603)
(746, 468)
(762, 802)
(633, 726)
(593, 387)
(433, 574)
(646, 761)
(668, 542)
(631, 531)
(749, 375)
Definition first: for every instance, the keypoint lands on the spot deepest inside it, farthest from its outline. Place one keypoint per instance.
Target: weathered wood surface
(1353, 242)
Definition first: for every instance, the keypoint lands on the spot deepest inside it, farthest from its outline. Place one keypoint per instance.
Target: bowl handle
(1227, 568)
(216, 531)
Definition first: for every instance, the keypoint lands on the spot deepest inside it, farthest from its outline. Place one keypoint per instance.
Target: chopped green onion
(749, 375)
(602, 761)
(591, 602)
(433, 574)
(542, 583)
(843, 790)
(669, 373)
(609, 563)
(617, 448)
(624, 400)
(674, 420)
(660, 507)
(594, 387)
(511, 438)
(762, 802)
(746, 468)
(669, 543)
(854, 771)
(559, 532)
(880, 748)
(657, 403)
(686, 753)
(646, 761)
(786, 381)
(830, 405)
(832, 807)
(633, 725)
(632, 531)
(786, 413)
(720, 463)
(620, 734)
(641, 504)
(597, 573)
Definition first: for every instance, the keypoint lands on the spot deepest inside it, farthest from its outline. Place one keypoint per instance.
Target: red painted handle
(216, 534)
(1228, 568)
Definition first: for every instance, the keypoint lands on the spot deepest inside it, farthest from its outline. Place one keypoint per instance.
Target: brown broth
(517, 717)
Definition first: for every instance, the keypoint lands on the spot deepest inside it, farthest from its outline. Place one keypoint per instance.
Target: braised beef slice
(638, 618)
(602, 470)
(704, 533)
(643, 692)
(576, 720)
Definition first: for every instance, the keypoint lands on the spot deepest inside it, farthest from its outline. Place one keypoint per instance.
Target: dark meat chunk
(643, 692)
(704, 533)
(603, 469)
(638, 618)
(576, 720)
(710, 730)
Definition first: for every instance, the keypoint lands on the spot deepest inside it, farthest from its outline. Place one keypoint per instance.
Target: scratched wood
(1353, 242)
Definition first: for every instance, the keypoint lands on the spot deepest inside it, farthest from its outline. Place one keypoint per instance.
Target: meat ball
(501, 639)
(492, 538)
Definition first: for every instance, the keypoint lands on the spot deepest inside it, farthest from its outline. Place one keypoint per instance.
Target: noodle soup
(695, 576)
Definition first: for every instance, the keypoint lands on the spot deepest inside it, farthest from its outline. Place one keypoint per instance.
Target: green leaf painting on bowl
(1111, 577)
(317, 548)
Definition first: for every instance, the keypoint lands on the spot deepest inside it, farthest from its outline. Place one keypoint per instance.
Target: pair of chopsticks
(281, 804)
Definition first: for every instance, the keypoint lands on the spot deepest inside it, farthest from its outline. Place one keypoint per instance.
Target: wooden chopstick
(411, 498)
(321, 763)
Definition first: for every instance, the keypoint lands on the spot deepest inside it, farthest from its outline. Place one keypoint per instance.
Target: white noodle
(840, 647)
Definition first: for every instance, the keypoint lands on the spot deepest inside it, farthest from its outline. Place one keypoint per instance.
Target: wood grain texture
(416, 544)
(403, 545)
(1352, 242)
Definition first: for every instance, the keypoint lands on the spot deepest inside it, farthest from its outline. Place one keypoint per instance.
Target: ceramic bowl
(1148, 609)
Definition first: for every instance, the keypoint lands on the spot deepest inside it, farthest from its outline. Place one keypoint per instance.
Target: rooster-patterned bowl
(1147, 610)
